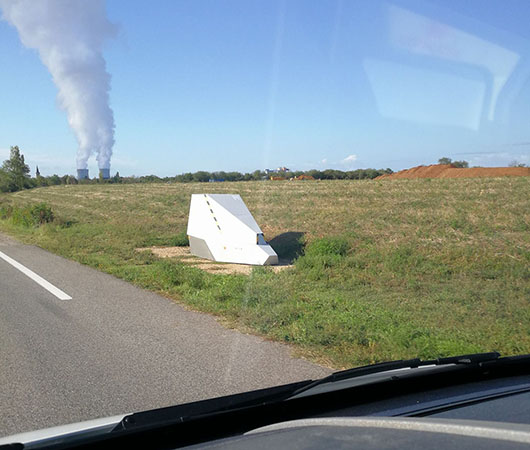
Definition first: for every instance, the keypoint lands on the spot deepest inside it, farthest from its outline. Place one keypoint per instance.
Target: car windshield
(201, 198)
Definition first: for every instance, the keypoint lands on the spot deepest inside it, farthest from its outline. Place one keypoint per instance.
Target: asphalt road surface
(113, 348)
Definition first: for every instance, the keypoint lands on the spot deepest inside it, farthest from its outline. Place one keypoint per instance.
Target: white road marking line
(36, 278)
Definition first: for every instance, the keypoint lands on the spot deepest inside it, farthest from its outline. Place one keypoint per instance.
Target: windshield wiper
(475, 358)
(186, 412)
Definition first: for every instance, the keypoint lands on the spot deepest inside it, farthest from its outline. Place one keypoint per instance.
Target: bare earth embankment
(381, 269)
(449, 171)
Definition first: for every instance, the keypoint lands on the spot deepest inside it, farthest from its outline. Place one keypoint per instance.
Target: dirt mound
(487, 172)
(432, 171)
(450, 171)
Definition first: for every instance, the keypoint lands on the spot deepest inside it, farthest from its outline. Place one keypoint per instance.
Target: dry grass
(433, 267)
(315, 208)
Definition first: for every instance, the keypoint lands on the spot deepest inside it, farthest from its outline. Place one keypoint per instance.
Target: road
(114, 348)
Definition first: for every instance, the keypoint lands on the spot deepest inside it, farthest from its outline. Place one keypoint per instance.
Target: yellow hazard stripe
(212, 213)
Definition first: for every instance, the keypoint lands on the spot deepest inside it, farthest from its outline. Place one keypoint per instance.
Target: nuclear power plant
(82, 174)
(82, 81)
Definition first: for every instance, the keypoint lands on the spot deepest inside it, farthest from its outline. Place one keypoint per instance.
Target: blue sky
(247, 84)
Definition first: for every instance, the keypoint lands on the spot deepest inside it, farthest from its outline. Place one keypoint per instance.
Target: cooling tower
(104, 173)
(82, 174)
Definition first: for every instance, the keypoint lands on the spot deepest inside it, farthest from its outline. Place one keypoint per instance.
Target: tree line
(258, 175)
(15, 176)
(328, 174)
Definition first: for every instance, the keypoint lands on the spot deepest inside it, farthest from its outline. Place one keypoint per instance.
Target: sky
(253, 84)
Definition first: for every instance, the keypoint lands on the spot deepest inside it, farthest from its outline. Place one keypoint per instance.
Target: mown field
(383, 269)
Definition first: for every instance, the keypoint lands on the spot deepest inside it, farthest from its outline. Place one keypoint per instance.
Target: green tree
(185, 177)
(201, 176)
(54, 180)
(116, 178)
(445, 160)
(515, 163)
(461, 164)
(257, 175)
(17, 171)
(41, 181)
(4, 181)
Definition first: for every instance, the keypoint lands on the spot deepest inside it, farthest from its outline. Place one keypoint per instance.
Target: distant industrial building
(82, 174)
(278, 170)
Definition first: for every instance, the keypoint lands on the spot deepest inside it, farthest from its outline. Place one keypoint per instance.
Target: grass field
(390, 269)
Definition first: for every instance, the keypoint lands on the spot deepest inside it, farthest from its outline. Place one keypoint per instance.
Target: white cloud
(324, 161)
(349, 159)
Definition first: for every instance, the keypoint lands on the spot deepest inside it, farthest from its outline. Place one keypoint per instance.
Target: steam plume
(69, 37)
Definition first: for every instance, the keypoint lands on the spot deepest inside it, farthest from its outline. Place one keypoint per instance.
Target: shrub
(22, 217)
(27, 216)
(41, 213)
(322, 255)
(5, 212)
(328, 246)
(181, 240)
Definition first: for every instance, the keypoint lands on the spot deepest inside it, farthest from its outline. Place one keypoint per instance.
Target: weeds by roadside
(27, 216)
